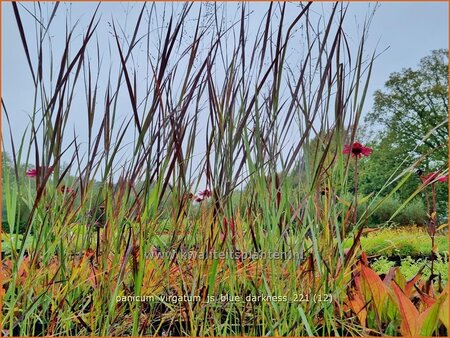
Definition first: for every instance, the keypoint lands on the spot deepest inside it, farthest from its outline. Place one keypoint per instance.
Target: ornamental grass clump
(132, 120)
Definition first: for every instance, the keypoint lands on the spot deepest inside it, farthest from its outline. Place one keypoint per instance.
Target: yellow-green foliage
(401, 241)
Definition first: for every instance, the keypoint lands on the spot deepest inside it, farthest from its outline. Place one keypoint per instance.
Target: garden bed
(401, 242)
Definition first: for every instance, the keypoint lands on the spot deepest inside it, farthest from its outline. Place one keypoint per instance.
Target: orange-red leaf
(409, 314)
(390, 275)
(409, 286)
(374, 289)
(357, 305)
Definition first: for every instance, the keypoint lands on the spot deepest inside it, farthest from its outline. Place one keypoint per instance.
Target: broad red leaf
(409, 287)
(374, 290)
(390, 275)
(358, 306)
(408, 312)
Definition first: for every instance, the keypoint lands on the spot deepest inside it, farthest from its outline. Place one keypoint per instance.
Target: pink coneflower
(31, 173)
(357, 150)
(443, 178)
(202, 195)
(35, 171)
(205, 193)
(433, 176)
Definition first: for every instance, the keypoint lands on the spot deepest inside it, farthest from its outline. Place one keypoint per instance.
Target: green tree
(408, 121)
(411, 105)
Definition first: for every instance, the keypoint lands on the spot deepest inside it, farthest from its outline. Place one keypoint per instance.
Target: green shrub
(414, 213)
(384, 212)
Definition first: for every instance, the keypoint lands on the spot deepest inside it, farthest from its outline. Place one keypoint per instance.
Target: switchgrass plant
(256, 119)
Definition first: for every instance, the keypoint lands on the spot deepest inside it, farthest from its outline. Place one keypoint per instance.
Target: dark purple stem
(355, 213)
(432, 229)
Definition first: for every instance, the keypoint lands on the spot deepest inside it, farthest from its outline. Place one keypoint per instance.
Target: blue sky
(405, 31)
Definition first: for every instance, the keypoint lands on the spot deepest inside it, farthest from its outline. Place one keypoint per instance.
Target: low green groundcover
(410, 266)
(401, 241)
